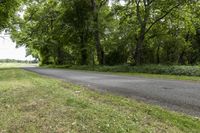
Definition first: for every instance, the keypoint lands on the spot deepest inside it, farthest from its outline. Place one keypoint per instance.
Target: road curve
(182, 96)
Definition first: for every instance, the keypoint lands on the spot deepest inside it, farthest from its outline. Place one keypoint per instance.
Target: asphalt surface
(182, 96)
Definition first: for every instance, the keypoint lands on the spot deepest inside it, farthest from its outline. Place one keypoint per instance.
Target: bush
(152, 69)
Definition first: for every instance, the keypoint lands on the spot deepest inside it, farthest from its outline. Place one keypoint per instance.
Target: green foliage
(7, 10)
(148, 69)
(82, 32)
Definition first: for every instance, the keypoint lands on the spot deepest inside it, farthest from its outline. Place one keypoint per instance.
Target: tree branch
(150, 2)
(163, 16)
(102, 3)
(138, 11)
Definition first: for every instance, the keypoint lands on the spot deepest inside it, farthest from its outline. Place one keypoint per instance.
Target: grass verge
(32, 103)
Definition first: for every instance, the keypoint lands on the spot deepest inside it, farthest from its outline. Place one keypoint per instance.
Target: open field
(15, 65)
(32, 103)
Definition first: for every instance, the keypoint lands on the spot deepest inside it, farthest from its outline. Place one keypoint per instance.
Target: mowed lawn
(32, 103)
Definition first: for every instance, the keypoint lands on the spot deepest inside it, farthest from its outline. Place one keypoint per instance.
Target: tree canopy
(7, 10)
(105, 32)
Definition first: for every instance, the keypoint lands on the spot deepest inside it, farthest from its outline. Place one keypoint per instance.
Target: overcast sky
(8, 50)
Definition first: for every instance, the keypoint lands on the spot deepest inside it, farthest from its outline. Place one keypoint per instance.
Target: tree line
(17, 61)
(109, 32)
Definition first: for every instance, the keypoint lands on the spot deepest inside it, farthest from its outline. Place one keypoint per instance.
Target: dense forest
(108, 32)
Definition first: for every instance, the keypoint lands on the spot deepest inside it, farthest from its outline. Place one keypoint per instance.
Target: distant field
(15, 65)
(33, 103)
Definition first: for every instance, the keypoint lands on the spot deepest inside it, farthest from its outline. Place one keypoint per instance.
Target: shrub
(152, 69)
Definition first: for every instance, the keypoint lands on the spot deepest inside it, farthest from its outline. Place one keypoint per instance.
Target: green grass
(162, 76)
(151, 71)
(31, 103)
(15, 65)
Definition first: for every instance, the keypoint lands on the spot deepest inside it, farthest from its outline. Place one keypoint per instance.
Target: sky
(8, 49)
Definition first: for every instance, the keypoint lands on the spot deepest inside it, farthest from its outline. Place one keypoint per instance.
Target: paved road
(180, 96)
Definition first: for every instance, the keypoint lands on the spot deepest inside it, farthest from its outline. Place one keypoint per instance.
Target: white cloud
(8, 49)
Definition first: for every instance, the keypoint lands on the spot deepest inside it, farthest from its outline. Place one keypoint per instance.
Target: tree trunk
(99, 49)
(141, 37)
(60, 55)
(139, 46)
(181, 58)
(83, 50)
(158, 54)
(138, 51)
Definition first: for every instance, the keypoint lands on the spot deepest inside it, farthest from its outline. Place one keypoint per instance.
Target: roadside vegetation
(190, 73)
(33, 103)
(151, 69)
(110, 32)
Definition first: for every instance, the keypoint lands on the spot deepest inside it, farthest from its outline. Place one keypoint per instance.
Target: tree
(96, 9)
(7, 10)
(83, 32)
